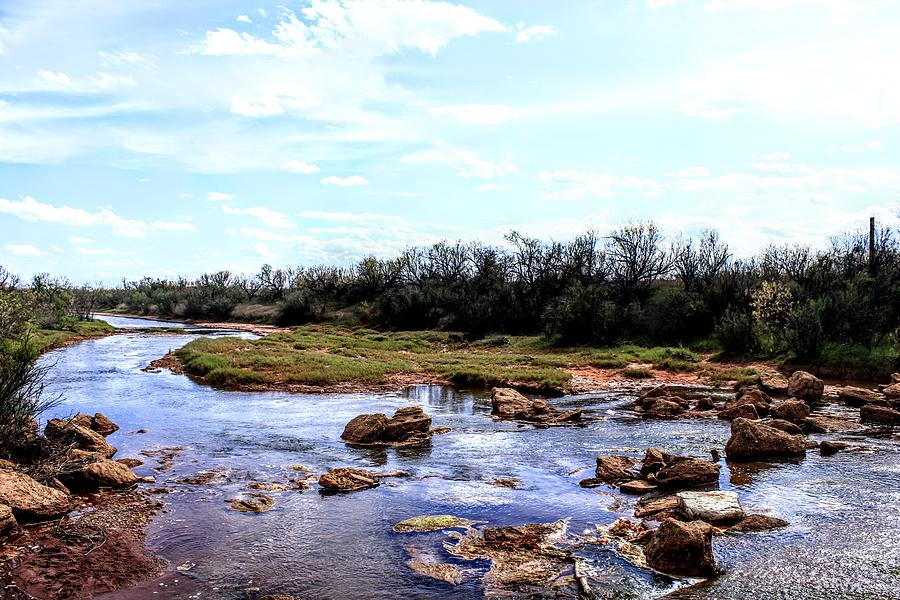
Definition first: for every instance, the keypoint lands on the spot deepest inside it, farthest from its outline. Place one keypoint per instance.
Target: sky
(162, 138)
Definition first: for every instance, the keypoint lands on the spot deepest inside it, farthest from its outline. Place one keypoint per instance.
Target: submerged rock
(409, 425)
(431, 523)
(686, 471)
(750, 439)
(827, 448)
(757, 523)
(434, 569)
(347, 479)
(507, 403)
(30, 500)
(252, 502)
(712, 507)
(682, 549)
(805, 386)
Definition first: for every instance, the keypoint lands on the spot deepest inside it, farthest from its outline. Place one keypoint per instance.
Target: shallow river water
(843, 541)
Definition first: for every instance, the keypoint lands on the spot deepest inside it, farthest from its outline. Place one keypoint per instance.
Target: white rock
(712, 507)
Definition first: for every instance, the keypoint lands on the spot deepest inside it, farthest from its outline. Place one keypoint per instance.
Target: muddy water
(843, 542)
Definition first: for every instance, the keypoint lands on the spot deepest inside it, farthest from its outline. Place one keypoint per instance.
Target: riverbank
(255, 328)
(52, 339)
(330, 358)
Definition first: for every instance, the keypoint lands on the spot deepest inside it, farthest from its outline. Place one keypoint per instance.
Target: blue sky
(171, 138)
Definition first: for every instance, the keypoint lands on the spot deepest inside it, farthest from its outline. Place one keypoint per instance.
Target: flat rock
(649, 507)
(253, 502)
(683, 472)
(347, 479)
(821, 424)
(103, 473)
(871, 413)
(757, 523)
(752, 440)
(30, 500)
(856, 396)
(431, 523)
(637, 487)
(712, 507)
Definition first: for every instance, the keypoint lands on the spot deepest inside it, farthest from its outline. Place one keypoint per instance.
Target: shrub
(737, 333)
(637, 373)
(804, 333)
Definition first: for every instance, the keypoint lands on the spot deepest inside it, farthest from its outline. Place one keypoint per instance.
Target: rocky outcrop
(507, 403)
(759, 399)
(805, 386)
(892, 391)
(68, 432)
(774, 384)
(28, 499)
(99, 423)
(663, 408)
(785, 426)
(872, 413)
(790, 410)
(347, 479)
(613, 469)
(739, 411)
(712, 507)
(682, 549)
(686, 471)
(754, 440)
(103, 473)
(856, 396)
(409, 425)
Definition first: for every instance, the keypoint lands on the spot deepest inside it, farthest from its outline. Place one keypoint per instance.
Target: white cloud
(270, 105)
(77, 239)
(30, 209)
(264, 251)
(493, 187)
(576, 185)
(219, 197)
(108, 81)
(476, 114)
(56, 78)
(690, 172)
(265, 216)
(533, 33)
(298, 166)
(351, 181)
(466, 163)
(873, 146)
(122, 58)
(23, 250)
(244, 19)
(95, 251)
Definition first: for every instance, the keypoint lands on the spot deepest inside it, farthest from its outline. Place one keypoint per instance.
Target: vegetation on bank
(327, 355)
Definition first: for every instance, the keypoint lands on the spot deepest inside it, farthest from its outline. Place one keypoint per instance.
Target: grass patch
(42, 339)
(637, 373)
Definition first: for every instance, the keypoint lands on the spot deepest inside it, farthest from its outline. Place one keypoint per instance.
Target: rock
(774, 383)
(827, 448)
(8, 523)
(855, 396)
(82, 438)
(507, 403)
(895, 378)
(277, 597)
(654, 460)
(653, 507)
(751, 440)
(682, 549)
(790, 410)
(409, 425)
(103, 473)
(431, 523)
(630, 531)
(757, 523)
(712, 507)
(660, 391)
(820, 424)
(740, 411)
(706, 403)
(684, 471)
(252, 502)
(786, 426)
(892, 391)
(613, 469)
(434, 569)
(130, 462)
(99, 423)
(346, 479)
(663, 408)
(759, 399)
(805, 386)
(637, 487)
(407, 422)
(28, 499)
(871, 413)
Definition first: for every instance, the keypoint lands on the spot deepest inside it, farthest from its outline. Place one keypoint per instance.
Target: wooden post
(871, 242)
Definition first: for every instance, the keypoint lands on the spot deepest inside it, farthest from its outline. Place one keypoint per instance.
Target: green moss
(431, 523)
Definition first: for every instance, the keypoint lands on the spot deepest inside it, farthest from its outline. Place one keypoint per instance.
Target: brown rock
(507, 403)
(805, 386)
(706, 403)
(365, 429)
(683, 549)
(879, 414)
(654, 460)
(684, 471)
(130, 462)
(757, 523)
(751, 439)
(652, 507)
(346, 479)
(740, 411)
(893, 391)
(28, 499)
(8, 523)
(82, 438)
(99, 423)
(101, 474)
(791, 410)
(827, 448)
(406, 422)
(774, 383)
(637, 487)
(855, 396)
(785, 426)
(613, 469)
(663, 408)
(277, 597)
(660, 391)
(820, 424)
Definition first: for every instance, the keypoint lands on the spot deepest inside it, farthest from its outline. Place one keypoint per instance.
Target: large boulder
(663, 408)
(712, 507)
(774, 383)
(99, 423)
(856, 396)
(8, 523)
(365, 429)
(753, 440)
(785, 426)
(613, 469)
(346, 479)
(745, 410)
(30, 500)
(507, 403)
(759, 399)
(103, 473)
(654, 460)
(790, 410)
(69, 432)
(682, 549)
(687, 471)
(407, 422)
(892, 391)
(805, 386)
(872, 413)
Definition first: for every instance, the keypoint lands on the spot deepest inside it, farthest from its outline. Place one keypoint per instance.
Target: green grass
(328, 354)
(42, 339)
(637, 373)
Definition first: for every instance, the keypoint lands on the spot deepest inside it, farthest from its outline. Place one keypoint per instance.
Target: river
(843, 541)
